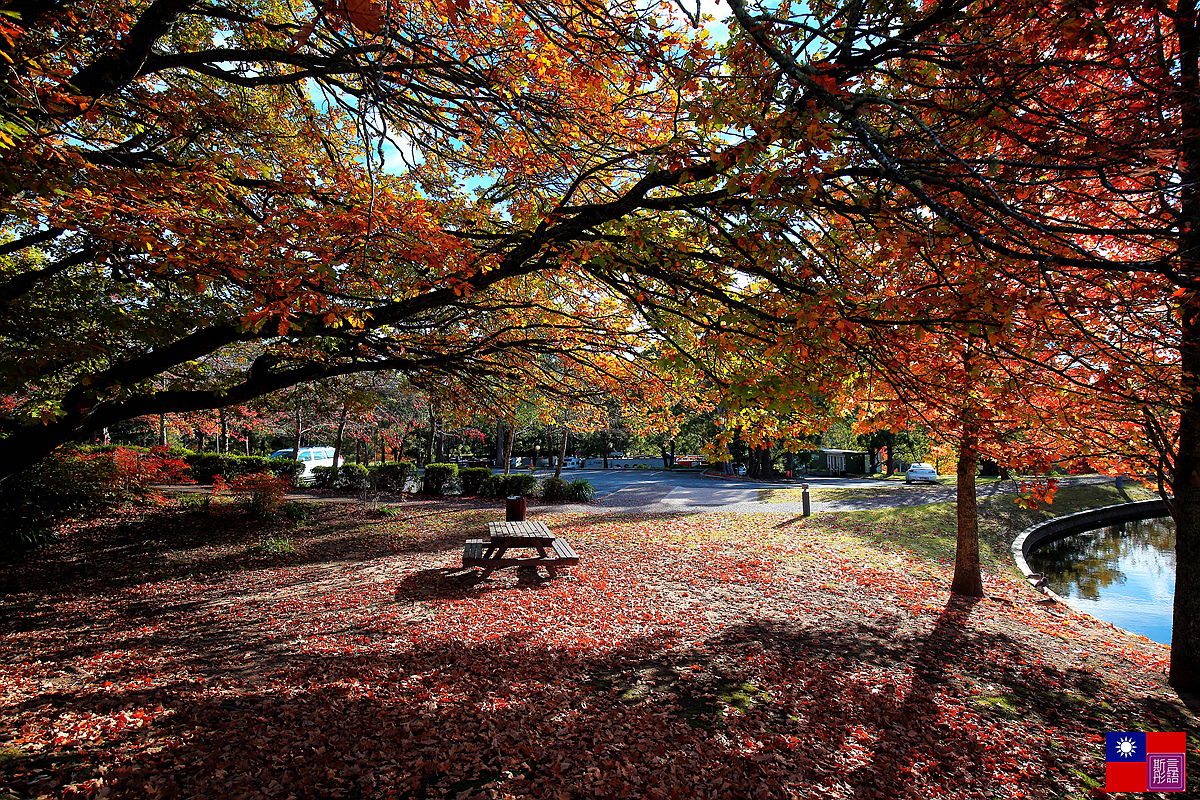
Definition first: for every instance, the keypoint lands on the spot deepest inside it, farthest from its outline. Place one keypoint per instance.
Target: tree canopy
(980, 213)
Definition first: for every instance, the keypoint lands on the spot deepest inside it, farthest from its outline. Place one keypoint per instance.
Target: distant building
(838, 462)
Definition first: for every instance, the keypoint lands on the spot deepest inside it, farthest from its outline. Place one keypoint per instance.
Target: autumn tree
(188, 179)
(1053, 143)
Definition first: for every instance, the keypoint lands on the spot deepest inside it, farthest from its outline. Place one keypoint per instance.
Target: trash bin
(514, 509)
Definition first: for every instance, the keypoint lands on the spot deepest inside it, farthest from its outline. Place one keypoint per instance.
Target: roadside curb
(1061, 527)
(744, 479)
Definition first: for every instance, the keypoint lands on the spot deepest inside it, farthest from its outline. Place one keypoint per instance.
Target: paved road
(661, 491)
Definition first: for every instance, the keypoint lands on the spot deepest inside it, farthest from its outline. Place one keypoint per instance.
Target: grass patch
(296, 511)
(929, 531)
(274, 546)
(794, 494)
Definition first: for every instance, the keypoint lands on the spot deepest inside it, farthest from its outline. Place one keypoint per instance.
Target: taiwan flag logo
(1145, 762)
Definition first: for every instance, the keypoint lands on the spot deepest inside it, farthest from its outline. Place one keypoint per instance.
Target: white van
(310, 457)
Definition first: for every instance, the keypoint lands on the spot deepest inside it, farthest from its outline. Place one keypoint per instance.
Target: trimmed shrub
(554, 489)
(581, 491)
(518, 484)
(286, 469)
(474, 480)
(392, 476)
(353, 477)
(440, 478)
(206, 466)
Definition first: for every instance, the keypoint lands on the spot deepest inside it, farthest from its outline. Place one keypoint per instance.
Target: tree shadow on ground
(764, 709)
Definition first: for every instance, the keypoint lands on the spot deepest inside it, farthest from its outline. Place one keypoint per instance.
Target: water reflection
(1123, 574)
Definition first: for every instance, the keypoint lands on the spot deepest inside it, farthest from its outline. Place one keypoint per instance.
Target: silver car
(922, 472)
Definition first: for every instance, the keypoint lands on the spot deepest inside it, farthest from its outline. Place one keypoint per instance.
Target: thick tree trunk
(162, 430)
(967, 578)
(337, 445)
(299, 432)
(562, 453)
(508, 451)
(891, 460)
(1185, 634)
(607, 450)
(432, 436)
(222, 431)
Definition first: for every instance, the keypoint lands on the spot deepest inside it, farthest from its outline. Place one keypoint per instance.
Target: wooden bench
(490, 556)
(565, 554)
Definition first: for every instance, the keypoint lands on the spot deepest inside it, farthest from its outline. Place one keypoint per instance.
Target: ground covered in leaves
(188, 652)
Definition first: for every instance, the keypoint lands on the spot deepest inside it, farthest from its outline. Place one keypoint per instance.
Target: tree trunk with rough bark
(298, 433)
(508, 451)
(562, 453)
(500, 449)
(337, 445)
(968, 580)
(1185, 635)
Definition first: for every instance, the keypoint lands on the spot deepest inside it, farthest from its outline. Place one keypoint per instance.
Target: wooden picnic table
(491, 555)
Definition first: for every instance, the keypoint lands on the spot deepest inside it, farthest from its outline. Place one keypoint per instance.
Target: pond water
(1124, 574)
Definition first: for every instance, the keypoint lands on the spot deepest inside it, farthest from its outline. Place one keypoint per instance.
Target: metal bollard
(805, 500)
(1120, 482)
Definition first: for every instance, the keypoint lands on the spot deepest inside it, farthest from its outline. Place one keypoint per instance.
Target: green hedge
(206, 466)
(554, 489)
(440, 478)
(352, 477)
(558, 489)
(392, 476)
(474, 480)
(518, 484)
(169, 452)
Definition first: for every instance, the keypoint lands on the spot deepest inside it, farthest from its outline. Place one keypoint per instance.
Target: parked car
(739, 468)
(922, 472)
(310, 457)
(570, 462)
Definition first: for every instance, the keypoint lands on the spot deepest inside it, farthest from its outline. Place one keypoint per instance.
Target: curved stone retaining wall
(1060, 527)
